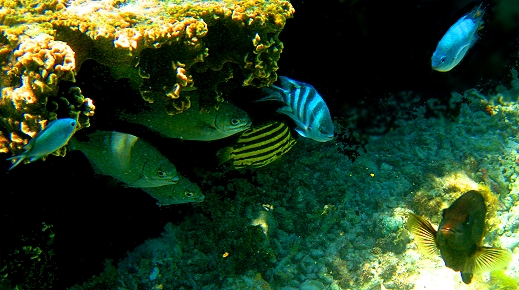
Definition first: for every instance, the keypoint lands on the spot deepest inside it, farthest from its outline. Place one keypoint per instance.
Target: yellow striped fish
(259, 146)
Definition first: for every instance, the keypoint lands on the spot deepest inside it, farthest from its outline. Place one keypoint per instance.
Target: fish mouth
(248, 124)
(448, 231)
(196, 199)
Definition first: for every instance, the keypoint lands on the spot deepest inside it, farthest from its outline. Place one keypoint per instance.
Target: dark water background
(356, 53)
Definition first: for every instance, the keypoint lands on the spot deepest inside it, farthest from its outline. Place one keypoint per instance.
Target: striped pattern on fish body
(305, 106)
(259, 146)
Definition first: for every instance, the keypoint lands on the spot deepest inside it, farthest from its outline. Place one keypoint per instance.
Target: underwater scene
(259, 144)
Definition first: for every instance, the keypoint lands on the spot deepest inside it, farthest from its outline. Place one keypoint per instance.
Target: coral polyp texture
(165, 49)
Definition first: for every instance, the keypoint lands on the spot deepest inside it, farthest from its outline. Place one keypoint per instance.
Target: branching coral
(163, 48)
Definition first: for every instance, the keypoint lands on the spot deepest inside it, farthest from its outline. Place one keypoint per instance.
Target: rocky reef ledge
(165, 48)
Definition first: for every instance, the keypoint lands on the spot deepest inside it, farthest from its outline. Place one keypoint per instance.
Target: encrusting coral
(165, 49)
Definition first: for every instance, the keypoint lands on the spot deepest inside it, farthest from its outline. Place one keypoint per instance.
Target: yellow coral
(47, 41)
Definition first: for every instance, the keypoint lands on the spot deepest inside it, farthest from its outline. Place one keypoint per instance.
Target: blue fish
(457, 41)
(50, 139)
(305, 106)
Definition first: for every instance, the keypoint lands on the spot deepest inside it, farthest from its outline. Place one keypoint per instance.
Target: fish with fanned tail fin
(459, 237)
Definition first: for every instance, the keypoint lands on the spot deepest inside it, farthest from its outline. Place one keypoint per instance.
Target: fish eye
(442, 59)
(235, 121)
(189, 194)
(161, 173)
(73, 124)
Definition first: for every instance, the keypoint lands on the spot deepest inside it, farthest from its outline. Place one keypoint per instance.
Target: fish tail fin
(424, 233)
(490, 259)
(20, 159)
(477, 14)
(72, 144)
(224, 154)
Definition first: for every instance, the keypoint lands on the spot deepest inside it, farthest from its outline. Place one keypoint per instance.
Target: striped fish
(305, 106)
(259, 146)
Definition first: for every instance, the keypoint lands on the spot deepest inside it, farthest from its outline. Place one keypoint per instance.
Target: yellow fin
(424, 234)
(489, 259)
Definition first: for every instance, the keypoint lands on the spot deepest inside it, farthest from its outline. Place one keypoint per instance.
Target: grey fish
(460, 37)
(193, 124)
(127, 158)
(305, 106)
(55, 135)
(183, 192)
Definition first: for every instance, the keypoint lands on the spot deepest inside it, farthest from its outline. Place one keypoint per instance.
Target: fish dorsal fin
(424, 234)
(29, 145)
(121, 145)
(490, 259)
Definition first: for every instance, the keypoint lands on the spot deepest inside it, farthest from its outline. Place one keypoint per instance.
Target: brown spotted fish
(459, 237)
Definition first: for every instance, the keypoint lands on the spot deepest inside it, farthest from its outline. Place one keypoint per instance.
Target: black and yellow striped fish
(259, 146)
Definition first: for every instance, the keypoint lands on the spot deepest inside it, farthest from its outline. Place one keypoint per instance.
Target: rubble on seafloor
(338, 224)
(165, 49)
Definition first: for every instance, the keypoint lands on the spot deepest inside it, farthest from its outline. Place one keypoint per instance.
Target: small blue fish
(50, 139)
(305, 106)
(456, 42)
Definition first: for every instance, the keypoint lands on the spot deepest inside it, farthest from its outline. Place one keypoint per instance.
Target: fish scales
(267, 147)
(54, 136)
(458, 39)
(265, 151)
(262, 136)
(127, 158)
(305, 106)
(259, 146)
(459, 237)
(194, 123)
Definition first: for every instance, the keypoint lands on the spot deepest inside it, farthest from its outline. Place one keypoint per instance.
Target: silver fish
(305, 106)
(55, 135)
(193, 124)
(183, 192)
(127, 158)
(460, 37)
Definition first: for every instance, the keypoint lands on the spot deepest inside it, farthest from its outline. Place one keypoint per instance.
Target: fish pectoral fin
(19, 159)
(424, 234)
(224, 154)
(273, 96)
(490, 259)
(301, 132)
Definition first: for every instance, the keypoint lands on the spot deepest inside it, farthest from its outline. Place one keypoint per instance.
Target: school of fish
(134, 162)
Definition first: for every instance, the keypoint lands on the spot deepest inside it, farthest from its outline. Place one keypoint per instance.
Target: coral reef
(163, 48)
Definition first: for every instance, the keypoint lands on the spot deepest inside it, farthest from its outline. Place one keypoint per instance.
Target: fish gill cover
(315, 218)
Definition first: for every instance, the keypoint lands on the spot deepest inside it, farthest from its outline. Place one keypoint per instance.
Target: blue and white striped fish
(305, 106)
